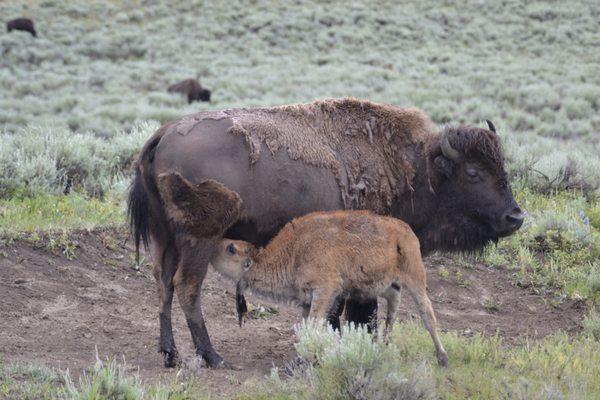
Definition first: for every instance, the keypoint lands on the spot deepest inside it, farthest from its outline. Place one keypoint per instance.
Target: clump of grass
(104, 381)
(594, 279)
(591, 325)
(491, 305)
(29, 382)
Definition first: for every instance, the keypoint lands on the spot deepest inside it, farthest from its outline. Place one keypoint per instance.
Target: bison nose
(514, 218)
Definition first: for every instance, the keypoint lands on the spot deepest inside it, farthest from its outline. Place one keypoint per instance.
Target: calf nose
(514, 218)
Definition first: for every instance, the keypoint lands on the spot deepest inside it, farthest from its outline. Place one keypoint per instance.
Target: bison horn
(448, 151)
(491, 126)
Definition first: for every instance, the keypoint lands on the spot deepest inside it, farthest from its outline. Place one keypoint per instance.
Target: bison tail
(138, 212)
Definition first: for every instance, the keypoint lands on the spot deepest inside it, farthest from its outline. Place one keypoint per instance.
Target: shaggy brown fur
(21, 24)
(478, 145)
(192, 89)
(370, 147)
(320, 257)
(202, 210)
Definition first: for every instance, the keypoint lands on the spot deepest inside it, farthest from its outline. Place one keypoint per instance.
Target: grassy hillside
(100, 66)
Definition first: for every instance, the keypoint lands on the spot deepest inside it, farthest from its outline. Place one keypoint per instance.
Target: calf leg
(164, 258)
(333, 315)
(419, 295)
(191, 271)
(322, 302)
(393, 299)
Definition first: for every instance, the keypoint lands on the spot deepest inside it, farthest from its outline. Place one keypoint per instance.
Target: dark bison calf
(191, 88)
(21, 24)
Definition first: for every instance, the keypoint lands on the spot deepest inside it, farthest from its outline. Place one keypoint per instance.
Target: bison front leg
(193, 264)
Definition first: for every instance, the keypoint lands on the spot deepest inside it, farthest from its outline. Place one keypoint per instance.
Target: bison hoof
(216, 362)
(170, 358)
(221, 365)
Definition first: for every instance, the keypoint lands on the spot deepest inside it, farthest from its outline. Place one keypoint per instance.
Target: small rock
(19, 281)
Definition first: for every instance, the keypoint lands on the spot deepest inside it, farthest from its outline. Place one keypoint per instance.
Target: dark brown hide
(21, 24)
(287, 161)
(192, 89)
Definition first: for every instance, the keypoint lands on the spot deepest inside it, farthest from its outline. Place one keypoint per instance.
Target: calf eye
(231, 249)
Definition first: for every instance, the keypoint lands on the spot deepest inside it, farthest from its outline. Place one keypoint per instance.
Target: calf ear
(443, 165)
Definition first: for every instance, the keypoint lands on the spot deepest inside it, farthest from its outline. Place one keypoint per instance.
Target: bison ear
(443, 165)
(491, 126)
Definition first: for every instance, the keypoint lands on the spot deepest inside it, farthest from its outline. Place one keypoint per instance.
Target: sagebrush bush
(46, 160)
(591, 325)
(354, 365)
(104, 381)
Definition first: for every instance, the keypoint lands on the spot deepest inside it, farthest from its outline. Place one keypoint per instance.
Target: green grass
(29, 382)
(59, 212)
(558, 247)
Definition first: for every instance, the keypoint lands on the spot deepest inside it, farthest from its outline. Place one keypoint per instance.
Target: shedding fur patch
(369, 147)
(202, 210)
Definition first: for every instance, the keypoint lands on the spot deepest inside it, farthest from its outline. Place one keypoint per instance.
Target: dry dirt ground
(57, 311)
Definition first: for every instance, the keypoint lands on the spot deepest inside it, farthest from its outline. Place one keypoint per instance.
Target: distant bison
(191, 88)
(21, 24)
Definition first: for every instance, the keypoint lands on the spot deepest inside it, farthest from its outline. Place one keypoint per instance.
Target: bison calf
(21, 24)
(322, 257)
(192, 89)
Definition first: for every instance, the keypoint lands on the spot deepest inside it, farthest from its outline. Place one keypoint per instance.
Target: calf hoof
(442, 359)
(170, 358)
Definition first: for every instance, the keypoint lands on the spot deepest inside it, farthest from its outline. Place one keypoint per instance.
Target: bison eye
(231, 249)
(472, 175)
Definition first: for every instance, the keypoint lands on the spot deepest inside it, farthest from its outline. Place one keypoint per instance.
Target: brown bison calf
(192, 89)
(21, 24)
(321, 257)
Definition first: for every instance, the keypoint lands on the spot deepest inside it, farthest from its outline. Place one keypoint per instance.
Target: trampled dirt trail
(57, 311)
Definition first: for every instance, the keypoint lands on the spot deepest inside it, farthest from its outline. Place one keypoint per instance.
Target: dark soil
(59, 311)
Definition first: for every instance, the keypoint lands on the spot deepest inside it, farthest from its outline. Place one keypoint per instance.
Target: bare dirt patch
(57, 311)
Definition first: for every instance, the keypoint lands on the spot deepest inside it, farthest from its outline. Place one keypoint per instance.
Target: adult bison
(21, 24)
(284, 162)
(192, 89)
